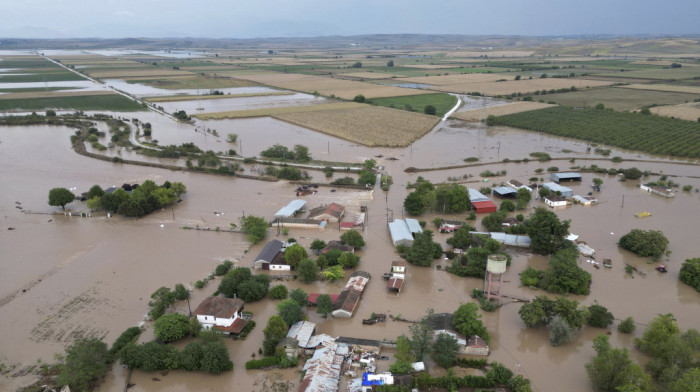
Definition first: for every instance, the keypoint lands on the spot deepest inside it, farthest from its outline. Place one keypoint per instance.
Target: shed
(267, 256)
(555, 201)
(413, 226)
(349, 298)
(395, 283)
(484, 206)
(565, 177)
(475, 195)
(400, 234)
(554, 187)
(517, 185)
(290, 347)
(301, 331)
(657, 190)
(290, 209)
(505, 191)
(585, 200)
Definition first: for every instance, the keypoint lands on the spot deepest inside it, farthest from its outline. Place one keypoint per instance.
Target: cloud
(124, 13)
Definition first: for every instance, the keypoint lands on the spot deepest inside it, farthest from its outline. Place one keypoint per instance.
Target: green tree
(422, 336)
(430, 110)
(367, 178)
(254, 289)
(318, 245)
(86, 362)
(390, 63)
(275, 330)
(547, 233)
(599, 316)
(632, 173)
(308, 270)
(644, 242)
(423, 249)
(690, 381)
(348, 260)
(279, 291)
(93, 203)
(613, 370)
(299, 296)
(359, 98)
(627, 325)
(255, 227)
(467, 321)
(194, 328)
(403, 356)
(560, 331)
(191, 356)
(215, 358)
(294, 254)
(414, 203)
(491, 120)
(445, 350)
(161, 300)
(111, 201)
(494, 221)
(60, 197)
(95, 191)
(178, 188)
(544, 192)
(357, 64)
(597, 181)
(353, 238)
(507, 205)
(301, 153)
(171, 327)
(461, 238)
(333, 273)
(499, 373)
(290, 311)
(324, 305)
(537, 312)
(230, 282)
(180, 292)
(369, 164)
(690, 273)
(128, 336)
(451, 198)
(322, 262)
(564, 275)
(524, 196)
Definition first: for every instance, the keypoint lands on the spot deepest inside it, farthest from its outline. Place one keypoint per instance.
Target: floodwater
(142, 90)
(64, 277)
(241, 103)
(83, 85)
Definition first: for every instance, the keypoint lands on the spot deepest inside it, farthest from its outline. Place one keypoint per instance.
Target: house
(322, 370)
(585, 200)
(397, 277)
(505, 191)
(291, 209)
(398, 267)
(554, 187)
(271, 257)
(349, 298)
(395, 284)
(290, 347)
(334, 244)
(518, 185)
(449, 226)
(556, 201)
(485, 206)
(220, 313)
(565, 177)
(472, 345)
(657, 190)
(330, 213)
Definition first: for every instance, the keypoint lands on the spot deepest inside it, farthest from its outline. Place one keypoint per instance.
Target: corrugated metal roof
(475, 195)
(505, 190)
(291, 208)
(270, 251)
(321, 339)
(565, 176)
(554, 187)
(322, 371)
(302, 332)
(521, 241)
(399, 231)
(413, 225)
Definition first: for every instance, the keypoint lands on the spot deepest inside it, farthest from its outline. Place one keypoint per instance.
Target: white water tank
(496, 264)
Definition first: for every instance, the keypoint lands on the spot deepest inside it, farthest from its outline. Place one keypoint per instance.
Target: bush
(128, 336)
(627, 325)
(560, 331)
(359, 98)
(180, 292)
(215, 358)
(279, 291)
(261, 363)
(507, 205)
(599, 316)
(86, 363)
(171, 326)
(200, 284)
(223, 268)
(690, 273)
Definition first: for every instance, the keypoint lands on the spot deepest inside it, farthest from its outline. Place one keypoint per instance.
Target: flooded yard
(65, 277)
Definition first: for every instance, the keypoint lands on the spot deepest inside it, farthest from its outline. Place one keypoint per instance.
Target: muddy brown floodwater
(65, 277)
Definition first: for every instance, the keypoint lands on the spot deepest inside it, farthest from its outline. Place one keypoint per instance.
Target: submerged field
(113, 102)
(442, 102)
(648, 133)
(619, 98)
(479, 114)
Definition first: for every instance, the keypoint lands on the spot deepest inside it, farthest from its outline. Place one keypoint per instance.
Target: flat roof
(505, 190)
(565, 175)
(290, 209)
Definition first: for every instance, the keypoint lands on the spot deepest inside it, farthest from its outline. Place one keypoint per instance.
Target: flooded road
(64, 277)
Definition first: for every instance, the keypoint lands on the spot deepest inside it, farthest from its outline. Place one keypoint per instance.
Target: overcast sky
(295, 18)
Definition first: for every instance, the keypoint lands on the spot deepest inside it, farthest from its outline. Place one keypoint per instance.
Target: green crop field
(40, 77)
(35, 89)
(442, 102)
(648, 133)
(112, 102)
(658, 73)
(621, 99)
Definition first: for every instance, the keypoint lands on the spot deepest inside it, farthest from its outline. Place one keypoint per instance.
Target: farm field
(184, 97)
(634, 131)
(277, 111)
(658, 73)
(137, 72)
(498, 110)
(344, 89)
(442, 102)
(368, 125)
(368, 75)
(665, 87)
(618, 98)
(111, 102)
(686, 111)
(447, 80)
(194, 82)
(52, 94)
(519, 86)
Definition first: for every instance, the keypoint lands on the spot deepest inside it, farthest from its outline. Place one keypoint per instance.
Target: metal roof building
(290, 209)
(559, 177)
(554, 187)
(400, 234)
(413, 226)
(475, 195)
(505, 191)
(520, 241)
(302, 331)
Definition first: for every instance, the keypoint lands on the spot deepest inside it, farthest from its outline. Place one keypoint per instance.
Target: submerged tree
(59, 197)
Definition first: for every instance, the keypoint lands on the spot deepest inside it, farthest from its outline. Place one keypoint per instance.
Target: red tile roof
(236, 327)
(313, 297)
(219, 307)
(394, 284)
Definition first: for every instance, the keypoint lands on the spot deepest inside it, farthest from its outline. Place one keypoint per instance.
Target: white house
(398, 268)
(223, 314)
(555, 201)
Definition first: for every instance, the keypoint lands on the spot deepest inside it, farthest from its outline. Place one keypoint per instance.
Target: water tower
(495, 267)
